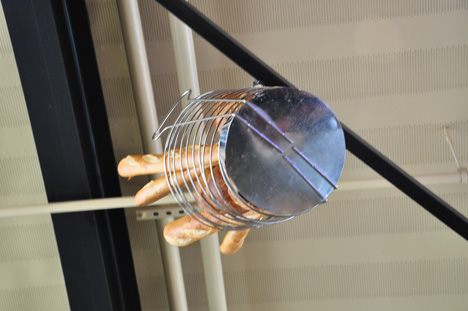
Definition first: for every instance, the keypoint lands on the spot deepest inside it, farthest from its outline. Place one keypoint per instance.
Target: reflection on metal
(281, 152)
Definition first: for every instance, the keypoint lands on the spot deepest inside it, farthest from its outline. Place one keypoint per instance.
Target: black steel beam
(57, 66)
(356, 145)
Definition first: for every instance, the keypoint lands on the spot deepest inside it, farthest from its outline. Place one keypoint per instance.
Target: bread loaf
(217, 187)
(233, 241)
(186, 230)
(134, 165)
(159, 188)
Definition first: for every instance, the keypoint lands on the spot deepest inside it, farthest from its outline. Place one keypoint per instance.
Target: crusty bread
(217, 186)
(186, 230)
(233, 241)
(159, 188)
(134, 165)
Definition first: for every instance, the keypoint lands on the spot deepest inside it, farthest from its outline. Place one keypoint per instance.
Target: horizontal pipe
(129, 201)
(366, 184)
(77, 206)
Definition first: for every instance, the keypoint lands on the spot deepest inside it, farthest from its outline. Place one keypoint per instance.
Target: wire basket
(242, 158)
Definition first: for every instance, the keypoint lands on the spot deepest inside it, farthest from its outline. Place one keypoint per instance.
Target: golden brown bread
(217, 186)
(233, 241)
(134, 165)
(186, 230)
(159, 188)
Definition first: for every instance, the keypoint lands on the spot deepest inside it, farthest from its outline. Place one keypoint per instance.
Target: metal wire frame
(195, 134)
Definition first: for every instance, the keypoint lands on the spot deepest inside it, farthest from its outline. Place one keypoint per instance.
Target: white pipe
(144, 98)
(177, 299)
(364, 184)
(139, 72)
(78, 206)
(187, 74)
(129, 201)
(67, 207)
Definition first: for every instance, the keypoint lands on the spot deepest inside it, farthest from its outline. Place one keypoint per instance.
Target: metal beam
(355, 144)
(57, 66)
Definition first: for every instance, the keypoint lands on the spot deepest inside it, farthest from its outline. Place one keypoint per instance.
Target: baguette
(186, 230)
(159, 188)
(217, 186)
(233, 241)
(134, 165)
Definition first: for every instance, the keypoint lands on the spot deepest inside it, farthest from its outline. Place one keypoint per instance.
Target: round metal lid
(283, 152)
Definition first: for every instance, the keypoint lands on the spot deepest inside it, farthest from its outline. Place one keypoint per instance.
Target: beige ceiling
(393, 71)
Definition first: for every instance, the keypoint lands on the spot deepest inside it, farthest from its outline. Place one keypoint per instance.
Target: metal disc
(284, 151)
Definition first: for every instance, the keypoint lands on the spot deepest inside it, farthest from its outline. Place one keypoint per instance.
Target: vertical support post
(187, 73)
(144, 98)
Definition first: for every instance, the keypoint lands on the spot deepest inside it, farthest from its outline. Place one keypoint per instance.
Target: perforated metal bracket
(159, 212)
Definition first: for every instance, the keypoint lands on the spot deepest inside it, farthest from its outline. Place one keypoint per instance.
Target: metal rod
(224, 42)
(307, 180)
(303, 156)
(158, 132)
(449, 141)
(270, 122)
(355, 144)
(256, 131)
